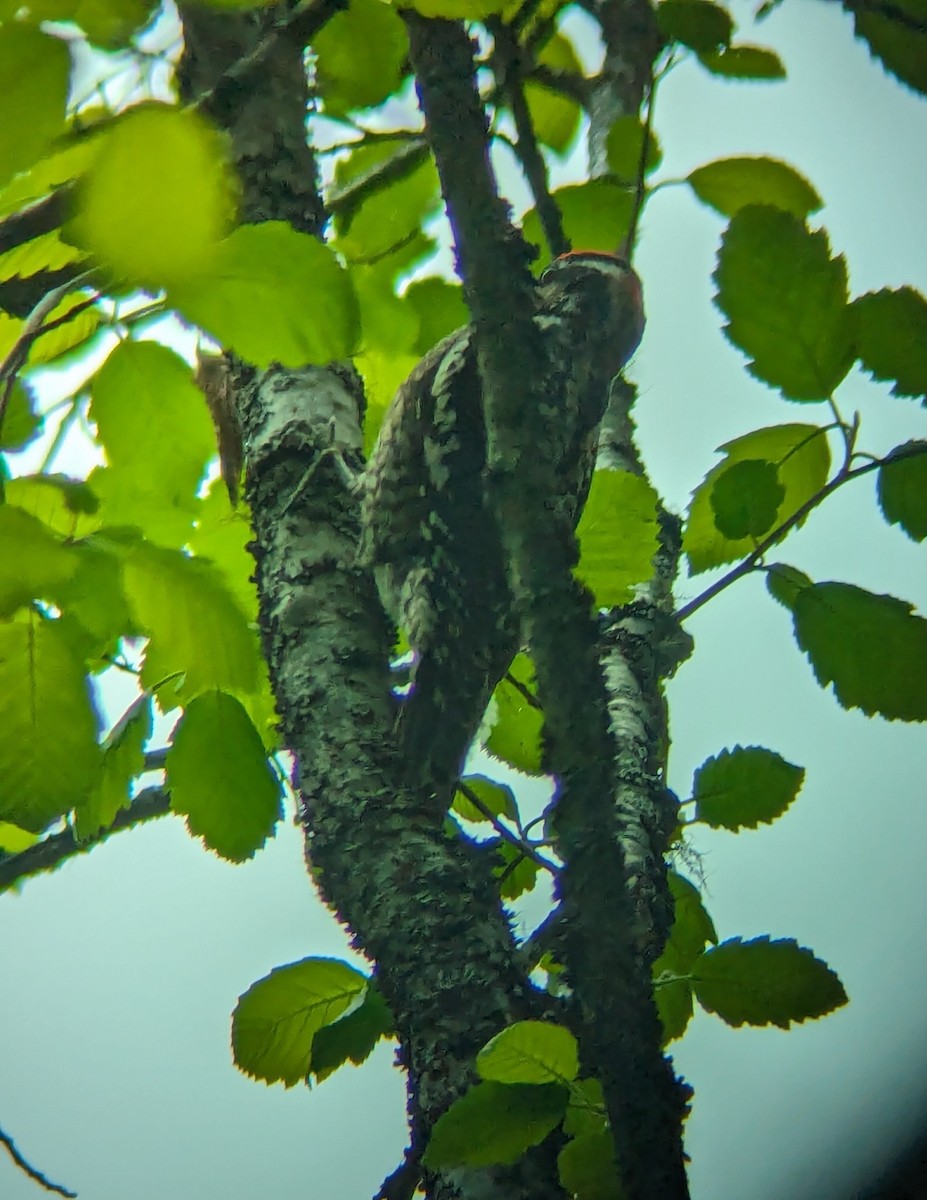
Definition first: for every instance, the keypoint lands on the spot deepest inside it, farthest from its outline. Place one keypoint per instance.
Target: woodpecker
(428, 529)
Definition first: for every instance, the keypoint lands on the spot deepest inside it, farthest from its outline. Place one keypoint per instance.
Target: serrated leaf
(21, 423)
(158, 197)
(34, 75)
(123, 760)
(902, 489)
(44, 253)
(784, 583)
(899, 43)
(517, 873)
(742, 787)
(195, 628)
(494, 1123)
(596, 216)
(67, 506)
(801, 456)
(744, 62)
(274, 295)
(155, 428)
(764, 982)
(530, 1052)
(49, 757)
(34, 563)
(351, 1038)
(618, 536)
(785, 298)
(891, 338)
(360, 54)
(555, 116)
(276, 1019)
(517, 722)
(746, 498)
(587, 1168)
(698, 24)
(73, 331)
(872, 648)
(219, 777)
(730, 184)
(692, 928)
(624, 144)
(495, 798)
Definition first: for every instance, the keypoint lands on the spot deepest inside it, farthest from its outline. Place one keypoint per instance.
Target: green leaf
(672, 992)
(872, 648)
(596, 216)
(154, 425)
(67, 506)
(764, 982)
(744, 62)
(494, 1123)
(517, 873)
(517, 722)
(586, 1111)
(49, 757)
(123, 760)
(34, 74)
(739, 788)
(730, 184)
(692, 924)
(785, 298)
(587, 1168)
(219, 777)
(618, 536)
(439, 306)
(692, 928)
(351, 1038)
(784, 583)
(624, 145)
(746, 498)
(195, 627)
(801, 456)
(360, 55)
(902, 489)
(221, 536)
(157, 198)
(73, 331)
(496, 798)
(458, 10)
(14, 840)
(44, 253)
(530, 1052)
(385, 192)
(106, 24)
(274, 295)
(276, 1019)
(891, 336)
(21, 423)
(34, 563)
(900, 45)
(698, 24)
(555, 116)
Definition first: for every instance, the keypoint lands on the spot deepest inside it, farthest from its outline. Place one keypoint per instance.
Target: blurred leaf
(439, 306)
(698, 24)
(360, 55)
(801, 456)
(158, 197)
(530, 1052)
(746, 498)
(587, 1168)
(516, 872)
(457, 10)
(49, 757)
(891, 333)
(67, 506)
(394, 187)
(14, 840)
(123, 761)
(494, 1123)
(596, 216)
(903, 490)
(276, 1019)
(730, 184)
(618, 536)
(34, 75)
(744, 62)
(221, 536)
(786, 302)
(764, 982)
(73, 331)
(515, 736)
(44, 253)
(586, 1108)
(351, 1038)
(219, 777)
(739, 788)
(624, 145)
(784, 583)
(497, 798)
(872, 648)
(35, 563)
(899, 43)
(555, 116)
(274, 295)
(106, 24)
(21, 423)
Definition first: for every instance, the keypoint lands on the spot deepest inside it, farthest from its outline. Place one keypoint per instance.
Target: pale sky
(121, 970)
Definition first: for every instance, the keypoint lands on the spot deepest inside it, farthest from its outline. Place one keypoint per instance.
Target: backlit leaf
(530, 1052)
(495, 1123)
(702, 26)
(618, 536)
(744, 62)
(891, 334)
(34, 73)
(730, 184)
(903, 490)
(746, 498)
(739, 788)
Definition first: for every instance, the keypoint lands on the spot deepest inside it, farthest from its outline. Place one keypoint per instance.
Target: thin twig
(33, 1172)
(525, 848)
(640, 194)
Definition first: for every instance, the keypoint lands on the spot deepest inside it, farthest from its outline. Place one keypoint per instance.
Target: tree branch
(31, 1171)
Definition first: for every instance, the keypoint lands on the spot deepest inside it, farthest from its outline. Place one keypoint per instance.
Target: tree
(134, 568)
